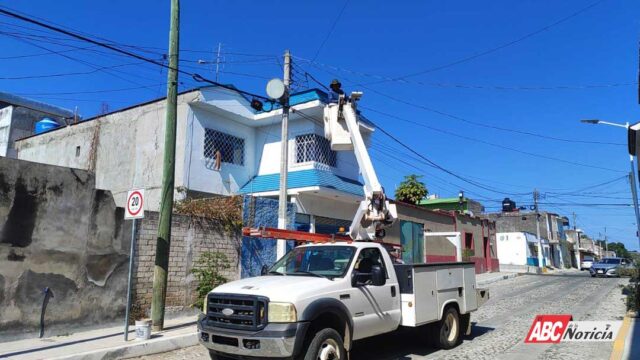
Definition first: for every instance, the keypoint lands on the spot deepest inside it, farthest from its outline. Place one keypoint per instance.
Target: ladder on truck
(303, 237)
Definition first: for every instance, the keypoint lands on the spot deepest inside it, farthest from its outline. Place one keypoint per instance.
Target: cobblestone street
(502, 323)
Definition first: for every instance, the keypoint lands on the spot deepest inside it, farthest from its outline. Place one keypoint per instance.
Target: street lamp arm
(626, 126)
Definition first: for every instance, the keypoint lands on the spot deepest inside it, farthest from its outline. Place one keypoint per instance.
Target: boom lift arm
(342, 129)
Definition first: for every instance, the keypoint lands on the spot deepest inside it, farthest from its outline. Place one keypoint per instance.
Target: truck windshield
(322, 261)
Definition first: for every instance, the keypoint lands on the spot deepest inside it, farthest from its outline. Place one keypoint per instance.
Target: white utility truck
(319, 298)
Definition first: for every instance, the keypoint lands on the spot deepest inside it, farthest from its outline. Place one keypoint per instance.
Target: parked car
(609, 267)
(586, 263)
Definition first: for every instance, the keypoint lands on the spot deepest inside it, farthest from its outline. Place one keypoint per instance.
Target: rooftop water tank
(46, 124)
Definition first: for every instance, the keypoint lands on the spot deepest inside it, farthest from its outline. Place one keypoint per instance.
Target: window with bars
(313, 147)
(231, 148)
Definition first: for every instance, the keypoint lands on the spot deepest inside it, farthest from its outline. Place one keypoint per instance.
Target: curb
(497, 278)
(136, 349)
(619, 342)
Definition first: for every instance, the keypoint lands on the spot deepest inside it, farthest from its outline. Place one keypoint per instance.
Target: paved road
(502, 323)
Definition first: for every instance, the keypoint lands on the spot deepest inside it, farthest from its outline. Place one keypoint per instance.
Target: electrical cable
(497, 48)
(195, 76)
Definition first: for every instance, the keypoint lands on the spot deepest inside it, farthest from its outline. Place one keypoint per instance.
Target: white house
(518, 251)
(125, 150)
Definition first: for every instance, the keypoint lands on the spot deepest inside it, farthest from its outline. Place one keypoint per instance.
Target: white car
(319, 298)
(586, 263)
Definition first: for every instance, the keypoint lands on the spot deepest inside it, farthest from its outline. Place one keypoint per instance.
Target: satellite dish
(275, 88)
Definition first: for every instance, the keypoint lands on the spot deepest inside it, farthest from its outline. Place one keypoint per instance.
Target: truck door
(376, 309)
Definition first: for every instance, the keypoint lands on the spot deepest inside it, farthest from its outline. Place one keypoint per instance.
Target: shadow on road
(403, 343)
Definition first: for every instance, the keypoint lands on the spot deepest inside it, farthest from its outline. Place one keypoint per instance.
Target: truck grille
(242, 312)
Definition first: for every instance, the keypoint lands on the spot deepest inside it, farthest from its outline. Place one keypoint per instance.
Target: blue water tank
(45, 125)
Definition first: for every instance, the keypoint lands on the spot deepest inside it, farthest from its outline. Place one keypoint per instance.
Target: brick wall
(189, 238)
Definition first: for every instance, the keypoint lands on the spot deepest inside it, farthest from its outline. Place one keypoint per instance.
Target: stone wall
(190, 237)
(58, 231)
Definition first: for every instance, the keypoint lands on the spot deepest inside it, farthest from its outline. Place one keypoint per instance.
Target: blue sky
(551, 63)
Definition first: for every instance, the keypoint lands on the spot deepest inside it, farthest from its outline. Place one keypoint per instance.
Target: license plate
(600, 271)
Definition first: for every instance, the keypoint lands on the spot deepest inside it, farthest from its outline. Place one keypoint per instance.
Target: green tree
(619, 248)
(411, 190)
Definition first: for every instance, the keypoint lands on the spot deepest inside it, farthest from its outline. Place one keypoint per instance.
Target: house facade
(223, 147)
(552, 230)
(431, 236)
(18, 117)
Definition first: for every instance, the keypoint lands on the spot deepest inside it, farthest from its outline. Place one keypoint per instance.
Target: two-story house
(223, 146)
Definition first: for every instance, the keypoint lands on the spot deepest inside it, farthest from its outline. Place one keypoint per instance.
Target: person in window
(218, 158)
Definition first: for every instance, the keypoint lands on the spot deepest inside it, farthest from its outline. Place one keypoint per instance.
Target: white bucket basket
(143, 329)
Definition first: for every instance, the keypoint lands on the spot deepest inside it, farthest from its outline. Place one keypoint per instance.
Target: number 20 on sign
(135, 204)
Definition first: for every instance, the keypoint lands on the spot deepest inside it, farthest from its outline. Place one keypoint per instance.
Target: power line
(333, 26)
(88, 91)
(500, 47)
(95, 70)
(477, 123)
(472, 86)
(493, 144)
(195, 76)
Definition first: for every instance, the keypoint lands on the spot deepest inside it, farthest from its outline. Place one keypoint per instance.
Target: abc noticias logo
(553, 329)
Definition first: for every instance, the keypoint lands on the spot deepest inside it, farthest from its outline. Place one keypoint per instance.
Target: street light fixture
(632, 176)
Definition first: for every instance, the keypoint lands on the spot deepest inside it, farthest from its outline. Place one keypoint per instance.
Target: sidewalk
(627, 344)
(488, 278)
(104, 343)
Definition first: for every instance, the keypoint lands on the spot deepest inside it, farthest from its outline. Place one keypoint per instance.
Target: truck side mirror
(264, 270)
(378, 277)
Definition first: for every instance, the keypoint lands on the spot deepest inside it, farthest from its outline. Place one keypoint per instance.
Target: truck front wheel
(448, 330)
(326, 344)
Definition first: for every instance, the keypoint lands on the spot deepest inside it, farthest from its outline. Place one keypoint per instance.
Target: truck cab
(319, 298)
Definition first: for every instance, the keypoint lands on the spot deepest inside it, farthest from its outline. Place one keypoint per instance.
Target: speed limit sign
(135, 204)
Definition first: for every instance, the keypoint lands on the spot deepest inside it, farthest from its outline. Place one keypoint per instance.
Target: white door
(376, 309)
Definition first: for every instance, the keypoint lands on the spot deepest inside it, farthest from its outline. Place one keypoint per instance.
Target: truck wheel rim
(329, 350)
(450, 327)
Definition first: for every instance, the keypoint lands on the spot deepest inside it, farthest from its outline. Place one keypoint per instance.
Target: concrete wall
(57, 231)
(126, 146)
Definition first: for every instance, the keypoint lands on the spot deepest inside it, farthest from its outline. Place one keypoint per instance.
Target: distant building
(453, 204)
(552, 228)
(18, 117)
(432, 236)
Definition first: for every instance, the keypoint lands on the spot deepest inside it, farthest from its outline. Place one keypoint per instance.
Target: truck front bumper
(274, 341)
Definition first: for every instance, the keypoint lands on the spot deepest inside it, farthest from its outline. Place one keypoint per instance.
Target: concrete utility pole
(536, 196)
(163, 241)
(606, 242)
(218, 61)
(575, 228)
(281, 246)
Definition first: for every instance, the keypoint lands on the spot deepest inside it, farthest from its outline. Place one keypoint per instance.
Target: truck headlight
(282, 313)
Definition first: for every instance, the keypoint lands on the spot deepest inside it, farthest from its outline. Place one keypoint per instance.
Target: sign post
(134, 210)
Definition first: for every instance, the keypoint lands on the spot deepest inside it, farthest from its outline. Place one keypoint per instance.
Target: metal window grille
(231, 148)
(313, 147)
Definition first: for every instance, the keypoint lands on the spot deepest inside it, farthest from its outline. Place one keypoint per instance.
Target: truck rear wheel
(448, 329)
(326, 344)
